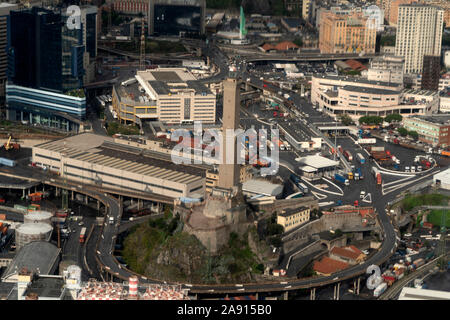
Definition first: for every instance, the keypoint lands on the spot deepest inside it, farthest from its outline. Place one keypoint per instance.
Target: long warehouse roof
(101, 150)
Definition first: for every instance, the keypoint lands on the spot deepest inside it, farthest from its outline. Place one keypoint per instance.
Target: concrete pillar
(35, 189)
(98, 205)
(358, 286)
(313, 294)
(132, 201)
(334, 292)
(256, 296)
(23, 193)
(57, 192)
(72, 196)
(29, 191)
(285, 295)
(337, 291)
(86, 200)
(139, 204)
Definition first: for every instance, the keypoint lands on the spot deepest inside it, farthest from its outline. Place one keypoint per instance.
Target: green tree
(387, 40)
(402, 131)
(298, 41)
(345, 119)
(413, 134)
(376, 120)
(393, 117)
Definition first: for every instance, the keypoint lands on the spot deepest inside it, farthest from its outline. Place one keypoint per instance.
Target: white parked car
(362, 194)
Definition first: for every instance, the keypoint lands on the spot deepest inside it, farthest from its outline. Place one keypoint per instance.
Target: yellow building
(292, 218)
(346, 33)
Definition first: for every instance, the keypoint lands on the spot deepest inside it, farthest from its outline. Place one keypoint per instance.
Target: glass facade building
(45, 108)
(35, 49)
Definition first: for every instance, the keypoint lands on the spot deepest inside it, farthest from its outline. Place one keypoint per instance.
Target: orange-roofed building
(286, 46)
(355, 65)
(267, 48)
(328, 266)
(350, 254)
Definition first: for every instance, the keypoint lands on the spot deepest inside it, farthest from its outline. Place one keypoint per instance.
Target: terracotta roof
(329, 266)
(267, 47)
(286, 45)
(355, 65)
(350, 252)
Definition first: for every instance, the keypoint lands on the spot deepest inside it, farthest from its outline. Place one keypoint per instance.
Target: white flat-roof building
(171, 95)
(359, 97)
(442, 178)
(423, 294)
(97, 160)
(258, 187)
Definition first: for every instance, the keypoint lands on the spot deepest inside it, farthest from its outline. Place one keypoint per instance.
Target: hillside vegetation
(160, 249)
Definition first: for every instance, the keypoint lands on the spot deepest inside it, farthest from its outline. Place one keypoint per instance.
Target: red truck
(348, 155)
(426, 163)
(82, 234)
(275, 113)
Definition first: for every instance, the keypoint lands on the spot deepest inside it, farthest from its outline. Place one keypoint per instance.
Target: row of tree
(375, 120)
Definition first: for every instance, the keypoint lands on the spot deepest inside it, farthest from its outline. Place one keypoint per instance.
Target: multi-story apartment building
(172, 95)
(292, 218)
(131, 6)
(5, 9)
(430, 74)
(444, 103)
(444, 82)
(419, 33)
(359, 97)
(444, 4)
(386, 69)
(431, 129)
(447, 59)
(293, 5)
(393, 10)
(346, 33)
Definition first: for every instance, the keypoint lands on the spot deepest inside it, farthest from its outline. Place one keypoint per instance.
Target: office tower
(5, 9)
(430, 74)
(346, 33)
(176, 17)
(419, 33)
(45, 53)
(229, 173)
(35, 58)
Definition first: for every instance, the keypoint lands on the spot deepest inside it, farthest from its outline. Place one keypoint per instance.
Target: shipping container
(380, 289)
(341, 179)
(7, 162)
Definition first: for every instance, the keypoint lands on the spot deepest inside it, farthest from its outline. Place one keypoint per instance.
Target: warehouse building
(171, 95)
(97, 160)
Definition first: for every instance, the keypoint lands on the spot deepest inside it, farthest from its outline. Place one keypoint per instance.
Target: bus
(303, 188)
(82, 234)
